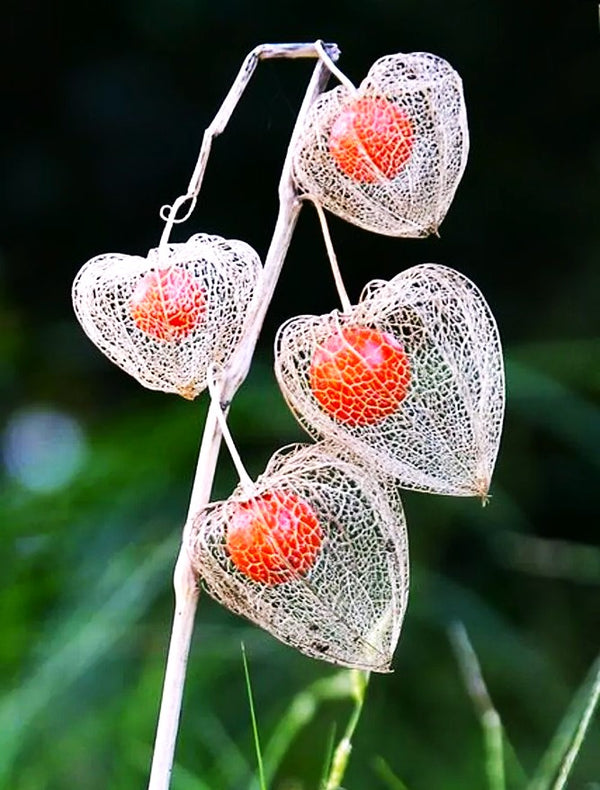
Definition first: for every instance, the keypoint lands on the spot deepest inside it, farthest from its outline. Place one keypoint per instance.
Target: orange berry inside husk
(371, 139)
(168, 304)
(359, 376)
(273, 538)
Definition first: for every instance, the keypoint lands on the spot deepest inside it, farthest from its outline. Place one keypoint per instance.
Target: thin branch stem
(186, 601)
(185, 582)
(327, 52)
(244, 477)
(333, 261)
(323, 52)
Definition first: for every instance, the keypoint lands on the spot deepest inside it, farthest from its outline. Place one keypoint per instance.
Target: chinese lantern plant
(315, 551)
(165, 318)
(410, 379)
(168, 304)
(274, 537)
(359, 375)
(389, 154)
(371, 139)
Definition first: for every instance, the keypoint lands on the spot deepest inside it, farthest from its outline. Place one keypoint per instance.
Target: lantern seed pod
(168, 304)
(167, 317)
(371, 139)
(317, 555)
(426, 404)
(359, 375)
(388, 158)
(273, 538)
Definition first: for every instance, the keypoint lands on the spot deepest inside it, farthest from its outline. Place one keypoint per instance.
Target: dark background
(104, 109)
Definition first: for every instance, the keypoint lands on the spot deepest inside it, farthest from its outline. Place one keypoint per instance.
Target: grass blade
(261, 770)
(81, 642)
(300, 712)
(556, 764)
(488, 716)
(387, 776)
(328, 756)
(341, 756)
(548, 557)
(183, 779)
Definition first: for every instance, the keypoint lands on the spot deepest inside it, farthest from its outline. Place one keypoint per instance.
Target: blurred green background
(104, 110)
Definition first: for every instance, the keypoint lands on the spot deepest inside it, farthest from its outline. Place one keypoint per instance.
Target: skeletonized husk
(348, 607)
(225, 270)
(414, 202)
(444, 435)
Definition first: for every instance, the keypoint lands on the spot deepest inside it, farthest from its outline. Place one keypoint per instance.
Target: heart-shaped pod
(411, 380)
(389, 157)
(317, 555)
(166, 318)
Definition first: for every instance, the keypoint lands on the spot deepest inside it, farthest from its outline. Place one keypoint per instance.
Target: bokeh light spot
(43, 448)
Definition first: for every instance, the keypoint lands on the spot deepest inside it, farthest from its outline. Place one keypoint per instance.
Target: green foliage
(556, 764)
(105, 124)
(259, 759)
(88, 592)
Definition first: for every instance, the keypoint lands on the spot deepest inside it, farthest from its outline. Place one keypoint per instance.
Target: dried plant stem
(326, 52)
(185, 583)
(325, 56)
(215, 397)
(186, 589)
(333, 261)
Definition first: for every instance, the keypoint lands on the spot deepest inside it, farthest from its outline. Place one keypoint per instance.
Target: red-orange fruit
(168, 304)
(371, 139)
(359, 375)
(274, 537)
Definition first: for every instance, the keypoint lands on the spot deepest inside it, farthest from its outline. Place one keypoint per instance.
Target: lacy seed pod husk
(389, 157)
(325, 570)
(168, 317)
(425, 402)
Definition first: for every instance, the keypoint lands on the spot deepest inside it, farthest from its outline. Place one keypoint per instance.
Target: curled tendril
(168, 213)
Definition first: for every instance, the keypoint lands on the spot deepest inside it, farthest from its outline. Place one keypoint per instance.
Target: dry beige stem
(344, 600)
(433, 418)
(412, 153)
(165, 319)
